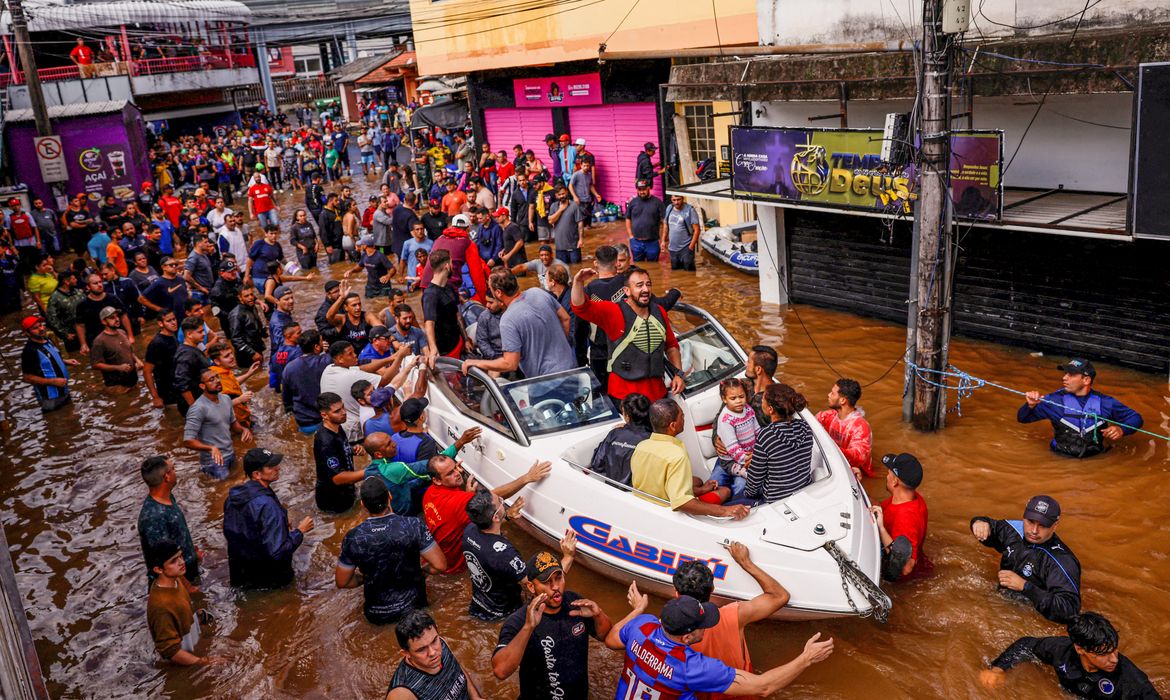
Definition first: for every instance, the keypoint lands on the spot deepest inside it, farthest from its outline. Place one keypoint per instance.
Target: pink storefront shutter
(636, 123)
(527, 127)
(615, 134)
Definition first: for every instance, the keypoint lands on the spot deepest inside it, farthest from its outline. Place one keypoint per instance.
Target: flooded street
(70, 493)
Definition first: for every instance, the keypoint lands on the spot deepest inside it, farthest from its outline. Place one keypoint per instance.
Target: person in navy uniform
(1035, 562)
(1077, 410)
(1086, 662)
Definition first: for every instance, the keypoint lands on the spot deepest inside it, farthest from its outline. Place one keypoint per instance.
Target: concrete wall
(460, 36)
(1079, 141)
(798, 22)
(194, 80)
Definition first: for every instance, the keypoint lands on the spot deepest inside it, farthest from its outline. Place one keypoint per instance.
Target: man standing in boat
(642, 345)
(1079, 413)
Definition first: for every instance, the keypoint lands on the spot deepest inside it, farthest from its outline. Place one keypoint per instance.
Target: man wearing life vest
(642, 346)
(1080, 414)
(22, 229)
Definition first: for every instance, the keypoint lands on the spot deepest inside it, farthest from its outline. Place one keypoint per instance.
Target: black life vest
(640, 352)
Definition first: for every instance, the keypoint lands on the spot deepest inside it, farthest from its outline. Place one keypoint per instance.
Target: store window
(700, 130)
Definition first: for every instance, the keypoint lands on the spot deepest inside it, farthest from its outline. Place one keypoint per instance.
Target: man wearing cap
(1035, 562)
(659, 660)
(567, 158)
(380, 347)
(902, 519)
(382, 555)
(461, 250)
(414, 443)
(646, 224)
(585, 156)
(225, 293)
(1081, 416)
(260, 539)
(554, 155)
(42, 366)
(26, 236)
(646, 168)
(209, 425)
(548, 641)
(1087, 662)
(112, 354)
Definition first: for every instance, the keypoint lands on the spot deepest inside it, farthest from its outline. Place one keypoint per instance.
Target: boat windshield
(559, 402)
(707, 357)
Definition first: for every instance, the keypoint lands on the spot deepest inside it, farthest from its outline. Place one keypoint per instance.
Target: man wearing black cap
(902, 519)
(382, 555)
(225, 293)
(646, 224)
(1035, 561)
(260, 542)
(549, 640)
(328, 332)
(1080, 415)
(661, 663)
(646, 168)
(414, 443)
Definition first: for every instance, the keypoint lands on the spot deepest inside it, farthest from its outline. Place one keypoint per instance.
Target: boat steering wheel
(553, 405)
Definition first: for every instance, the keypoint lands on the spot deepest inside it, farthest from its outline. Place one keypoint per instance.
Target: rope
(966, 384)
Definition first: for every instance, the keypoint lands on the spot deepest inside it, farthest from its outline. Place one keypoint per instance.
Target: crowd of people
(213, 290)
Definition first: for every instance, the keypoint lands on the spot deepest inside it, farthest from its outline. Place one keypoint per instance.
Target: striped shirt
(782, 461)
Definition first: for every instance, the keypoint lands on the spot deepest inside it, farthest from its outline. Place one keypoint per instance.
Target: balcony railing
(211, 60)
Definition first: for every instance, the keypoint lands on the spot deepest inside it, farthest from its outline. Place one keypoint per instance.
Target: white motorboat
(734, 245)
(821, 543)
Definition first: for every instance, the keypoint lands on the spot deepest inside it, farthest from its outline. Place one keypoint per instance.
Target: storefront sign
(559, 91)
(843, 168)
(103, 170)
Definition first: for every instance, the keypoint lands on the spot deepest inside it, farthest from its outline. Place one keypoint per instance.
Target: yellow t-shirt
(42, 286)
(660, 466)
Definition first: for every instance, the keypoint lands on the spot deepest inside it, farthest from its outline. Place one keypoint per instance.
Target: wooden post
(933, 222)
(28, 62)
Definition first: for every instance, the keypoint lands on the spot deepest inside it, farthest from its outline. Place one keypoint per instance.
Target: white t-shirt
(339, 380)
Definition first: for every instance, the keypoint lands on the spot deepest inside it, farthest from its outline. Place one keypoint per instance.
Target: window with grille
(700, 130)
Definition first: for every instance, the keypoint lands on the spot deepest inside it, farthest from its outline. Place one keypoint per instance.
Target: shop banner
(843, 168)
(559, 91)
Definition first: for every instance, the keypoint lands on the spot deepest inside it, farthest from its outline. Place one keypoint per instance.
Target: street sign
(51, 157)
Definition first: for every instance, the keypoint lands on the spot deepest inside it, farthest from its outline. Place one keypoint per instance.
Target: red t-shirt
(261, 196)
(505, 171)
(608, 317)
(445, 512)
(909, 519)
(172, 207)
(82, 54)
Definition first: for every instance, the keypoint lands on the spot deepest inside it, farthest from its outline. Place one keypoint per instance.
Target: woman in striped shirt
(782, 459)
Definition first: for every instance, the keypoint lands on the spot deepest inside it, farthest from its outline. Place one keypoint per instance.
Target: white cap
(580, 142)
(461, 221)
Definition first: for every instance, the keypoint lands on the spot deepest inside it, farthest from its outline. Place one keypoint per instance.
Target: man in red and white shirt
(82, 57)
(846, 424)
(261, 206)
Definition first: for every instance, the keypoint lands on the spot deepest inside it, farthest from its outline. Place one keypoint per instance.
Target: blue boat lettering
(600, 536)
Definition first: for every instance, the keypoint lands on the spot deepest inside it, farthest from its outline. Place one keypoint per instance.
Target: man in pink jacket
(847, 426)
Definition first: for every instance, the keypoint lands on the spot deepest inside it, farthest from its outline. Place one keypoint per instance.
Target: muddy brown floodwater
(70, 494)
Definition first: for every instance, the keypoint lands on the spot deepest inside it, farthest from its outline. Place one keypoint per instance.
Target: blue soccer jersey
(660, 669)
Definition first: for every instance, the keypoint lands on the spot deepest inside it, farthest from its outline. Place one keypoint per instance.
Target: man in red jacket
(458, 243)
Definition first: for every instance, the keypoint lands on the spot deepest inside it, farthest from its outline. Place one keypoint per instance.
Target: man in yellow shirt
(660, 467)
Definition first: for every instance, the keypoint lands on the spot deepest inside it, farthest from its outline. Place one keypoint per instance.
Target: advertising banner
(843, 168)
(559, 91)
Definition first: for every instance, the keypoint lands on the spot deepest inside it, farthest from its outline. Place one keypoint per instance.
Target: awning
(447, 115)
(79, 109)
(1058, 211)
(184, 112)
(54, 17)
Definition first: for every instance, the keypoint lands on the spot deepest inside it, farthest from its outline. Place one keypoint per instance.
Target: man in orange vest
(22, 230)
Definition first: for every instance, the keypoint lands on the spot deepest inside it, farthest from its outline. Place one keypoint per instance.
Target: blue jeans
(219, 471)
(309, 429)
(644, 250)
(268, 219)
(569, 257)
(723, 477)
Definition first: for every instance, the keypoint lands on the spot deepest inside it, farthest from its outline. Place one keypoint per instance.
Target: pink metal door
(527, 127)
(615, 135)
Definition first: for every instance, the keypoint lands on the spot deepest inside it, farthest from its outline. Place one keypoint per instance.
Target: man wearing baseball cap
(646, 169)
(260, 542)
(42, 366)
(902, 519)
(646, 224)
(1035, 562)
(548, 641)
(660, 661)
(1082, 417)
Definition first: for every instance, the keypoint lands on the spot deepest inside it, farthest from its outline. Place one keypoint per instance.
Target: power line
(619, 24)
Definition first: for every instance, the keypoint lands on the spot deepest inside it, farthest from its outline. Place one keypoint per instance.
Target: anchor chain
(879, 602)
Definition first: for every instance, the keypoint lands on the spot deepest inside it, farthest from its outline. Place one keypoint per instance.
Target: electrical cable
(619, 24)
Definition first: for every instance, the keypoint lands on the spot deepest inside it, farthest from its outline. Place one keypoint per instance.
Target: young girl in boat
(736, 428)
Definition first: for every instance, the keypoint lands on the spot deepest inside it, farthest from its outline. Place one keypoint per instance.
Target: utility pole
(28, 63)
(932, 279)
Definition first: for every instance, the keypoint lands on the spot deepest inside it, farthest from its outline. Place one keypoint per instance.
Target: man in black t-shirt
(549, 640)
(441, 310)
(646, 224)
(159, 367)
(89, 322)
(334, 457)
(386, 549)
